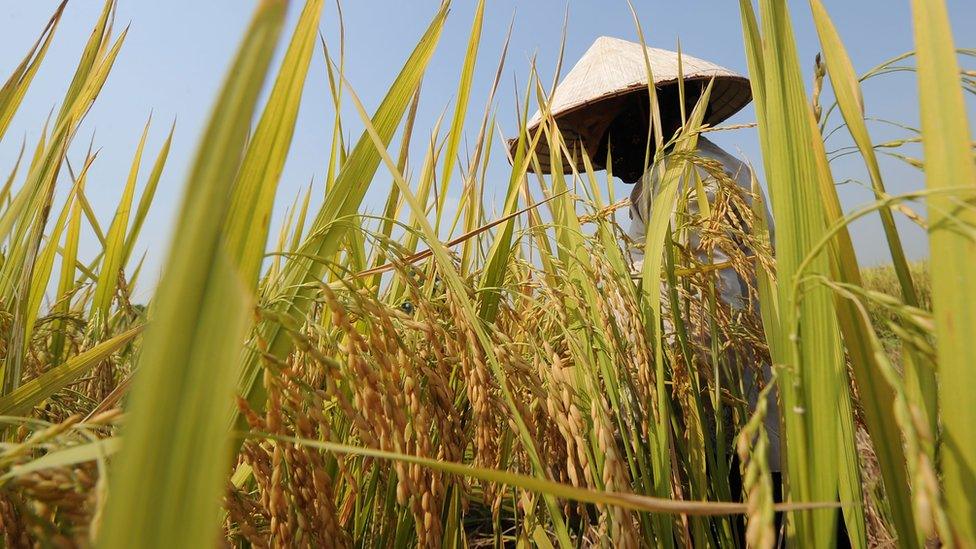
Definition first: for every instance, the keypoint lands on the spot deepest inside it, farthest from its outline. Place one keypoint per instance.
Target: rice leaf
(148, 194)
(848, 94)
(254, 193)
(343, 199)
(5, 191)
(453, 282)
(29, 212)
(299, 231)
(176, 441)
(501, 248)
(114, 252)
(15, 88)
(949, 163)
(30, 394)
(564, 491)
(460, 107)
(94, 48)
(96, 450)
(40, 177)
(670, 175)
(875, 398)
(811, 375)
(41, 271)
(337, 147)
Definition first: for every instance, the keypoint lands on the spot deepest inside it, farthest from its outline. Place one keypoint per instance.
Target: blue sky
(175, 56)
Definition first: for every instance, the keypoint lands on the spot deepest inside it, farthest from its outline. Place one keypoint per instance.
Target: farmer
(602, 106)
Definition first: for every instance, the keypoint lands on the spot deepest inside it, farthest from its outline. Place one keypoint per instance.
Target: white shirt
(732, 289)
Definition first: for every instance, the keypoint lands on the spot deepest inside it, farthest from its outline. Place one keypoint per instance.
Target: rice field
(352, 380)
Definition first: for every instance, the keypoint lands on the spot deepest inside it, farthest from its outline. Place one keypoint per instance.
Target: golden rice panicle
(480, 387)
(561, 403)
(12, 524)
(752, 446)
(615, 478)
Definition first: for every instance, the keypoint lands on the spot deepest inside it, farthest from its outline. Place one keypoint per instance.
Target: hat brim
(582, 126)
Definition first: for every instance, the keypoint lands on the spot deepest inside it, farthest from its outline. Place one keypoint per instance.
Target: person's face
(627, 135)
(627, 140)
(630, 154)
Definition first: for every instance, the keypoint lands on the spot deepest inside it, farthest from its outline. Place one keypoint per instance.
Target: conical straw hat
(589, 96)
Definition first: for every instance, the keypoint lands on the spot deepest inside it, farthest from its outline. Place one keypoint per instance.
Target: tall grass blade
(337, 147)
(453, 282)
(343, 199)
(391, 210)
(30, 394)
(69, 257)
(848, 94)
(72, 455)
(176, 440)
(496, 262)
(29, 212)
(949, 163)
(44, 266)
(8, 185)
(876, 399)
(148, 194)
(460, 107)
(250, 215)
(114, 253)
(40, 177)
(89, 57)
(15, 88)
(669, 175)
(812, 372)
(564, 491)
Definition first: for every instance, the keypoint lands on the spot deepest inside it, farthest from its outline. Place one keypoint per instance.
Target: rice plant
(353, 380)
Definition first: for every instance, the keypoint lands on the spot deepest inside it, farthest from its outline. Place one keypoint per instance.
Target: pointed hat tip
(604, 39)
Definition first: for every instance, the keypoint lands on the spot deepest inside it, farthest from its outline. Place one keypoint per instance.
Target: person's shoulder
(709, 149)
(734, 167)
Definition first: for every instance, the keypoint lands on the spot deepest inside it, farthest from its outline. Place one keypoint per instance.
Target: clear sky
(176, 53)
